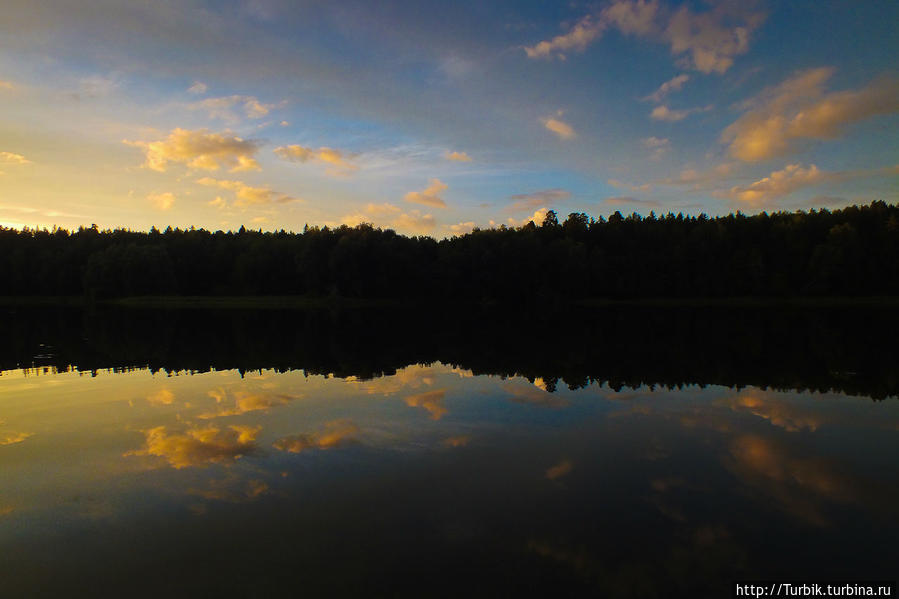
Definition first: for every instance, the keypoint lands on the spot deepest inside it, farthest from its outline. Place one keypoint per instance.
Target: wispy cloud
(707, 41)
(663, 113)
(794, 177)
(334, 158)
(247, 195)
(543, 198)
(671, 85)
(799, 108)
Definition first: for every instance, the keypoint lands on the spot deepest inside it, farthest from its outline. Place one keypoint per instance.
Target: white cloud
(199, 149)
(429, 196)
(198, 88)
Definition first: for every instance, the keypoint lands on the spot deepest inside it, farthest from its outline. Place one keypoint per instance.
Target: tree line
(851, 350)
(849, 252)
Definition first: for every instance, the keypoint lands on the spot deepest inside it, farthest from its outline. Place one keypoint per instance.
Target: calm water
(634, 452)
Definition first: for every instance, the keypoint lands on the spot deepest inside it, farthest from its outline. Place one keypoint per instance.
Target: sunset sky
(435, 117)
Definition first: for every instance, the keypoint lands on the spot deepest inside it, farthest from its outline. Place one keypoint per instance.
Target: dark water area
(611, 452)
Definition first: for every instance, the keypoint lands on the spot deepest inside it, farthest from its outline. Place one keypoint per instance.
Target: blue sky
(433, 117)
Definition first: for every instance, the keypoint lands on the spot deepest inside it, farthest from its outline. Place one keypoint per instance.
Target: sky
(432, 118)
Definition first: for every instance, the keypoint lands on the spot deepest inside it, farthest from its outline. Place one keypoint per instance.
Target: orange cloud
(794, 177)
(432, 401)
(334, 434)
(245, 401)
(561, 469)
(13, 438)
(430, 196)
(200, 150)
(247, 195)
(562, 129)
(799, 108)
(330, 156)
(199, 446)
(162, 201)
(457, 156)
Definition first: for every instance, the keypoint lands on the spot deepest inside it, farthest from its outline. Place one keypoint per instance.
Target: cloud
(561, 469)
(457, 156)
(232, 490)
(199, 446)
(162, 201)
(628, 201)
(794, 177)
(225, 107)
(10, 158)
(199, 149)
(630, 187)
(543, 198)
(416, 222)
(658, 146)
(460, 441)
(13, 438)
(432, 401)
(247, 195)
(671, 85)
(537, 218)
(558, 126)
(430, 196)
(330, 156)
(8, 85)
(243, 402)
(392, 216)
(533, 394)
(789, 416)
(163, 397)
(706, 42)
(712, 39)
(799, 108)
(462, 228)
(198, 88)
(585, 31)
(218, 202)
(334, 434)
(663, 113)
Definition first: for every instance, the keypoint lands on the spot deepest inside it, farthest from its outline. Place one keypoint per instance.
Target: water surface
(257, 454)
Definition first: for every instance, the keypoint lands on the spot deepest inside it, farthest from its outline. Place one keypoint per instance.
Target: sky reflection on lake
(253, 484)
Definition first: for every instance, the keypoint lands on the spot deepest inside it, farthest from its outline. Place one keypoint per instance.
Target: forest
(849, 252)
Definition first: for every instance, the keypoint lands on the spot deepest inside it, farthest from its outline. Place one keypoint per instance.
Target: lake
(618, 451)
